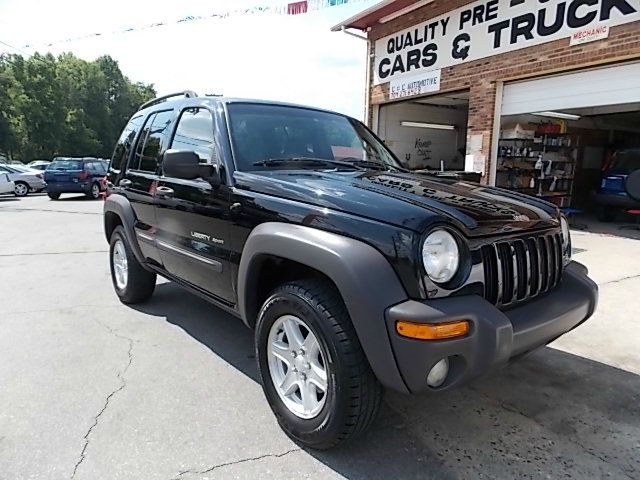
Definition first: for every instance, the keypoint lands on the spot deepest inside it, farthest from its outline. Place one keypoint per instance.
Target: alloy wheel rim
(120, 266)
(21, 189)
(95, 190)
(297, 366)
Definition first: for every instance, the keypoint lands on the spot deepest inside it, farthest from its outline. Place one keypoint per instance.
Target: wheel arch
(362, 275)
(118, 211)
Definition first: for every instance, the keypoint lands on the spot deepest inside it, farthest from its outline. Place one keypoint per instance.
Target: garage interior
(558, 145)
(427, 133)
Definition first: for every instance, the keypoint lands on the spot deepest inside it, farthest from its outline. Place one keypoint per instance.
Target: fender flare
(122, 208)
(365, 279)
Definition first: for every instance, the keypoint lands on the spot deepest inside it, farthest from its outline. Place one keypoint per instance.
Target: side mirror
(181, 164)
(186, 164)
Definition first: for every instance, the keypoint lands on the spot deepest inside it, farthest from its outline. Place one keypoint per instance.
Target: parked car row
(62, 175)
(24, 179)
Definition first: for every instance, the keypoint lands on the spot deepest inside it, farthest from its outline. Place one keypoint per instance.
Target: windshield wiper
(369, 164)
(309, 161)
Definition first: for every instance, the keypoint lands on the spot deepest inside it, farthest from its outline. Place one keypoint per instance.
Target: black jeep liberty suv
(354, 273)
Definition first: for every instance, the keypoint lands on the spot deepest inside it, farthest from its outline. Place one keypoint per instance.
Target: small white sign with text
(590, 34)
(416, 85)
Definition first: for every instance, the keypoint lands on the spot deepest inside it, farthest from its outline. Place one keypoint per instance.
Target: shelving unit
(518, 158)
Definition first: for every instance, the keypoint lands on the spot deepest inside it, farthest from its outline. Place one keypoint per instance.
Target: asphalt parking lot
(93, 389)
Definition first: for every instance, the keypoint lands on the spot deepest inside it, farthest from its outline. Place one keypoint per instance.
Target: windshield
(272, 132)
(65, 165)
(625, 162)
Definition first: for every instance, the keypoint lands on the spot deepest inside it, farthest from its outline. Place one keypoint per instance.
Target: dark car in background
(75, 175)
(611, 196)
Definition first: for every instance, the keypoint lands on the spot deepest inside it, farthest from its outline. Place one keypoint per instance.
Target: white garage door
(592, 88)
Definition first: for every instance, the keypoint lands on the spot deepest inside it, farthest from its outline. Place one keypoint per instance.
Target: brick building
(534, 94)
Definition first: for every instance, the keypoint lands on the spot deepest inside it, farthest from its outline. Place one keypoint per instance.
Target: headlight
(566, 237)
(440, 256)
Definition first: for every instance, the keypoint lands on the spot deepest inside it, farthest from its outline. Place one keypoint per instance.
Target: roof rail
(185, 94)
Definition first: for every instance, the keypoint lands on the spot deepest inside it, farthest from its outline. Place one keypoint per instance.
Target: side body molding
(367, 282)
(120, 206)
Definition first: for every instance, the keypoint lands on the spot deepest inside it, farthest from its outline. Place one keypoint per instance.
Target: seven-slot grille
(519, 269)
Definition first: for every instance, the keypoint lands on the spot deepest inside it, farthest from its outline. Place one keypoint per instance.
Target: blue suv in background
(611, 196)
(75, 175)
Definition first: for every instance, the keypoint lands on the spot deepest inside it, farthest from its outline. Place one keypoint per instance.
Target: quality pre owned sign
(492, 27)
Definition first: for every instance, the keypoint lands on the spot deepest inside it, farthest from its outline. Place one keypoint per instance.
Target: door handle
(164, 192)
(124, 183)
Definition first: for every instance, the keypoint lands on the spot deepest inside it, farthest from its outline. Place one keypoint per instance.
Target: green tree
(64, 106)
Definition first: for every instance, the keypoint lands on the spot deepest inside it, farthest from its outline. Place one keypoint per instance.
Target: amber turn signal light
(433, 331)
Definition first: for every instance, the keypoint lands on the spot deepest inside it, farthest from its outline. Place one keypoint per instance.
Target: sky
(276, 57)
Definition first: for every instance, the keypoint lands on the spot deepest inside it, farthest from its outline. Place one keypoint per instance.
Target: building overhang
(381, 12)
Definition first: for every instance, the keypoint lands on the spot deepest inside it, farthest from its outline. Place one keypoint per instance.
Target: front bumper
(496, 336)
(37, 186)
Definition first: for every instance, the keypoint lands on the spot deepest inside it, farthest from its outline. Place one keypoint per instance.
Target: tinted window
(156, 141)
(125, 142)
(195, 133)
(625, 162)
(66, 165)
(142, 138)
(261, 132)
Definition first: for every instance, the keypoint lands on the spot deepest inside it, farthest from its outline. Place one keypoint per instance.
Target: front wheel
(314, 373)
(132, 282)
(54, 195)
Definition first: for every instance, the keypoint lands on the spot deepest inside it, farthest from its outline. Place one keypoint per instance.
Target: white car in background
(6, 185)
(25, 179)
(39, 164)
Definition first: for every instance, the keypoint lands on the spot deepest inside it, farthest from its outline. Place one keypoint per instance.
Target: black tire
(21, 189)
(53, 195)
(607, 214)
(140, 282)
(94, 191)
(354, 394)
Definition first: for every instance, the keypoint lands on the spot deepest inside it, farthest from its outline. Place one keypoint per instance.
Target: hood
(407, 200)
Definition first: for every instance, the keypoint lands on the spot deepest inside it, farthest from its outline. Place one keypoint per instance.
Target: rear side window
(195, 133)
(125, 142)
(153, 141)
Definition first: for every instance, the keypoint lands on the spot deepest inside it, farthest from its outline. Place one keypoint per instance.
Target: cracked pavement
(90, 388)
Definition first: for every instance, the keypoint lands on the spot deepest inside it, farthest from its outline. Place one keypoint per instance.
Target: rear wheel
(21, 189)
(314, 373)
(133, 284)
(94, 192)
(54, 195)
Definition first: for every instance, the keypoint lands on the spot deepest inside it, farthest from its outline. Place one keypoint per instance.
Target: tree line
(64, 106)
